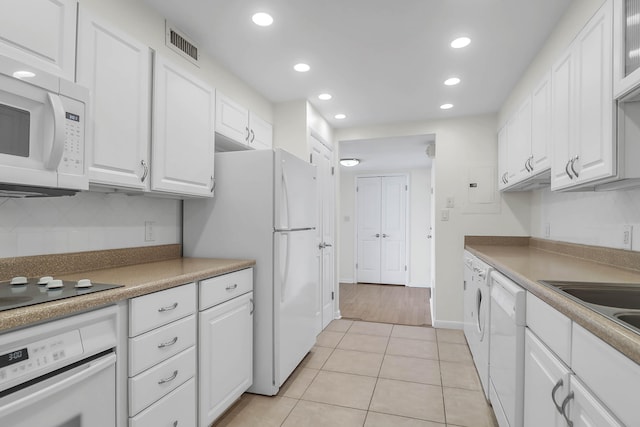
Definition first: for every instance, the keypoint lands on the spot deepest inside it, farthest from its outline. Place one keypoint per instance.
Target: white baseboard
(448, 324)
(337, 315)
(418, 285)
(349, 280)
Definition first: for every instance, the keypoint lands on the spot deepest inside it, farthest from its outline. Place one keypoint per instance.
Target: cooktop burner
(22, 291)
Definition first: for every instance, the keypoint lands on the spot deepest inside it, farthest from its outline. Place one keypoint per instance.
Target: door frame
(407, 224)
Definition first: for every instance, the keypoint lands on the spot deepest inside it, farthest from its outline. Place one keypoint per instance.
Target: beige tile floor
(374, 375)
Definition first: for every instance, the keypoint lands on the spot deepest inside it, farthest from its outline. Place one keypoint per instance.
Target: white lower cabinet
(162, 358)
(225, 348)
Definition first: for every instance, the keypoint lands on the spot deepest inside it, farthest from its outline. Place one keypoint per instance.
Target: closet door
(368, 197)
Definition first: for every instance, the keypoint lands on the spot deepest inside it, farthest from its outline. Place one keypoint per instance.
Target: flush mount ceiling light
(349, 162)
(452, 81)
(23, 74)
(446, 106)
(262, 19)
(460, 42)
(340, 116)
(325, 96)
(301, 67)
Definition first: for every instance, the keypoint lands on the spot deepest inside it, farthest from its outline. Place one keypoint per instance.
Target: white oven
(42, 128)
(61, 373)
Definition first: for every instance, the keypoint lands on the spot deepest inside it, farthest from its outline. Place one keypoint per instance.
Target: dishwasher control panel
(46, 354)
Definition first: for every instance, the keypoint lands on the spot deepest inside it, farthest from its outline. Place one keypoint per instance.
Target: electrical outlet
(451, 202)
(627, 231)
(547, 230)
(149, 231)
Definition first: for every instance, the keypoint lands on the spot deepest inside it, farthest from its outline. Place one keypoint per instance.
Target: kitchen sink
(619, 302)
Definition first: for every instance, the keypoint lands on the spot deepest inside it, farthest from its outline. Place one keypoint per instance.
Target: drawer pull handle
(564, 406)
(553, 394)
(168, 343)
(232, 287)
(168, 308)
(171, 378)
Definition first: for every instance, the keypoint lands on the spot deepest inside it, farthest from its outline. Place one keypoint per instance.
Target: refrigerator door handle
(284, 272)
(285, 230)
(285, 198)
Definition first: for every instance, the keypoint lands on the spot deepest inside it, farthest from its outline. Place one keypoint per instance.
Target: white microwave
(42, 132)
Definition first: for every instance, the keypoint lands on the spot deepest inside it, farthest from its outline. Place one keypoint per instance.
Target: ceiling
(406, 152)
(383, 61)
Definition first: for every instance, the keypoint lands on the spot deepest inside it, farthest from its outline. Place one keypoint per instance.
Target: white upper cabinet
(583, 107)
(261, 132)
(117, 70)
(626, 47)
(541, 126)
(503, 172)
(41, 33)
(238, 128)
(183, 132)
(519, 151)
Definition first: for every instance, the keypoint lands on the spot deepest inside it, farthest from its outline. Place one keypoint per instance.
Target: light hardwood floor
(385, 303)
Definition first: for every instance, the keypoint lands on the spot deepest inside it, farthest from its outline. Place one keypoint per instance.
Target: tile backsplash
(591, 218)
(84, 222)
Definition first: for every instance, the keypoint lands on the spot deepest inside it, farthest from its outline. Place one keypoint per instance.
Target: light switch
(444, 215)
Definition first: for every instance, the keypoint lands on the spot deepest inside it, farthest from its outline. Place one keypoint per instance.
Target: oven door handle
(68, 379)
(54, 147)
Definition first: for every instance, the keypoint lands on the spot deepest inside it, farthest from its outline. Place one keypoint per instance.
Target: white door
(381, 206)
(322, 157)
(40, 33)
(183, 137)
(225, 355)
(117, 149)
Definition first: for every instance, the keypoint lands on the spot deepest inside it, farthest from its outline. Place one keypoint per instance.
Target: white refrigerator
(265, 208)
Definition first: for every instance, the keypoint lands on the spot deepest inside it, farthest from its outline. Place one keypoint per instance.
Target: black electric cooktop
(32, 292)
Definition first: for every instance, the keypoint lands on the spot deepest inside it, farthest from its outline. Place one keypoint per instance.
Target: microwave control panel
(72, 161)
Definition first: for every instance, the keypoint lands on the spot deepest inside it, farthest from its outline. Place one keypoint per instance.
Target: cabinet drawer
(551, 326)
(152, 384)
(612, 377)
(159, 308)
(219, 289)
(178, 408)
(160, 344)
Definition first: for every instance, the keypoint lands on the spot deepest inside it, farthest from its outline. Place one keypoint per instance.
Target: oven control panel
(45, 354)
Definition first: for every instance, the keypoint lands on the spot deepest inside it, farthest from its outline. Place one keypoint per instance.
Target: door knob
(385, 235)
(377, 234)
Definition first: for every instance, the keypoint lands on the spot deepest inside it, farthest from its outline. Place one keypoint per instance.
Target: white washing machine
(469, 294)
(479, 310)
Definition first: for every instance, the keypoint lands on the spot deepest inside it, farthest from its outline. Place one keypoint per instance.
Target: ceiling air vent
(180, 43)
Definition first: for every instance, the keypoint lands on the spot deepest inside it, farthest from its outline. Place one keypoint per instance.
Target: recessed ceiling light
(446, 106)
(349, 162)
(23, 74)
(340, 116)
(325, 96)
(452, 81)
(301, 68)
(262, 19)
(460, 42)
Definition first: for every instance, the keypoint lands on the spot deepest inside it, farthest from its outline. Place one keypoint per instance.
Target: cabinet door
(522, 144)
(587, 411)
(118, 134)
(513, 141)
(562, 119)
(546, 379)
(541, 126)
(183, 137)
(502, 158)
(595, 106)
(41, 33)
(232, 119)
(226, 356)
(261, 133)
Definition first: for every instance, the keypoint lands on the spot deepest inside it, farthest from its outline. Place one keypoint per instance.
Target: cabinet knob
(572, 168)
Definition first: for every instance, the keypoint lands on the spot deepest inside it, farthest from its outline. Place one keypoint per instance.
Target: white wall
(583, 217)
(463, 145)
(92, 221)
(84, 222)
(419, 214)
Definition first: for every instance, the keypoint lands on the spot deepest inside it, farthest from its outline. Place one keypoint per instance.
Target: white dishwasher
(506, 355)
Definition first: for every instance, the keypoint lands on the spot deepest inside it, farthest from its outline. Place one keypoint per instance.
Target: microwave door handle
(54, 148)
